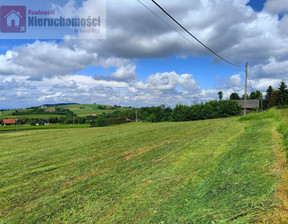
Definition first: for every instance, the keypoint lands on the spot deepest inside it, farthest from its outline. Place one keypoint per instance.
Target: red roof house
(9, 121)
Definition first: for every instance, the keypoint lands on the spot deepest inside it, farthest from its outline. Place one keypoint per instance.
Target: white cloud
(246, 35)
(69, 10)
(263, 83)
(235, 80)
(276, 6)
(78, 88)
(125, 73)
(170, 80)
(163, 81)
(276, 67)
(231, 28)
(48, 59)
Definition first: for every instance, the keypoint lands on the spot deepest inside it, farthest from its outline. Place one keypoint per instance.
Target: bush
(32, 122)
(209, 110)
(117, 120)
(152, 118)
(100, 122)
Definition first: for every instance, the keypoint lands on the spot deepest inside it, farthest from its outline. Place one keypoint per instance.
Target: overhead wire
(155, 14)
(200, 42)
(250, 83)
(209, 49)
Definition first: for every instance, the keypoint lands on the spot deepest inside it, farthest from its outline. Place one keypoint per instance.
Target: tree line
(209, 110)
(273, 97)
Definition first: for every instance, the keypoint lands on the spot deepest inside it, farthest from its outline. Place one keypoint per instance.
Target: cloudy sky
(143, 61)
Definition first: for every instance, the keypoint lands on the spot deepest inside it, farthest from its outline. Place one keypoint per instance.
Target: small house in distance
(250, 104)
(9, 121)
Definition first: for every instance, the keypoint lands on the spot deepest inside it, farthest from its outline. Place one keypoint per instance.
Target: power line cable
(168, 25)
(250, 83)
(212, 51)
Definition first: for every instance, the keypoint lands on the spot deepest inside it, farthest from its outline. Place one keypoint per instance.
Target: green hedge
(209, 110)
(102, 121)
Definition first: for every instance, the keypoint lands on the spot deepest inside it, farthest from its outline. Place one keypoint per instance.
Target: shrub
(100, 122)
(209, 110)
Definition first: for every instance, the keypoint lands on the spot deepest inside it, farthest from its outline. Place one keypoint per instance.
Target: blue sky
(143, 61)
(257, 5)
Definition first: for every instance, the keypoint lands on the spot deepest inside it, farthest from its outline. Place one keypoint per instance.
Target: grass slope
(213, 171)
(12, 128)
(30, 116)
(85, 109)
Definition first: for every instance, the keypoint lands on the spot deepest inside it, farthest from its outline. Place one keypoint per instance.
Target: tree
(101, 122)
(181, 113)
(152, 118)
(41, 122)
(234, 96)
(283, 94)
(220, 94)
(269, 92)
(255, 95)
(32, 122)
(274, 98)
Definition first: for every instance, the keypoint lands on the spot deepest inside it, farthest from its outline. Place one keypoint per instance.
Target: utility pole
(245, 94)
(136, 116)
(262, 104)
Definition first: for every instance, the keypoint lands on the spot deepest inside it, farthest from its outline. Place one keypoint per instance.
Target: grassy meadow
(30, 116)
(78, 109)
(212, 171)
(84, 109)
(11, 128)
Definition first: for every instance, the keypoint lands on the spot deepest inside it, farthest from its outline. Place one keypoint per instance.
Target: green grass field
(29, 116)
(78, 109)
(11, 128)
(213, 171)
(85, 109)
(5, 112)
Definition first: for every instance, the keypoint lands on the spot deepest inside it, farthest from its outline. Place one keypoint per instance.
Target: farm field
(29, 116)
(46, 127)
(5, 112)
(214, 171)
(84, 109)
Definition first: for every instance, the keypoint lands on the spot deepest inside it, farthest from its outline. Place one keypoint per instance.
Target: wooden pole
(245, 94)
(262, 104)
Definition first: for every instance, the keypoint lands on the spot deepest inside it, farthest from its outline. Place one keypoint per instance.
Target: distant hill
(59, 104)
(87, 109)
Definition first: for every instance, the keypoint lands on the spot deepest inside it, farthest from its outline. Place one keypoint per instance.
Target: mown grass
(213, 171)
